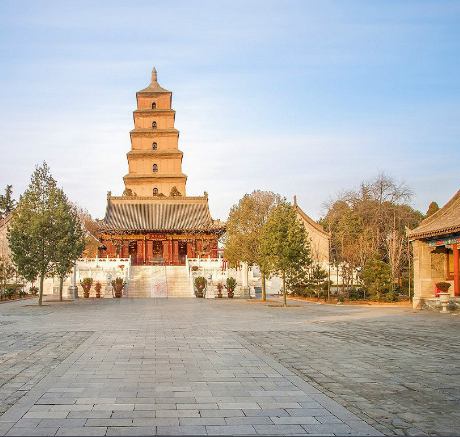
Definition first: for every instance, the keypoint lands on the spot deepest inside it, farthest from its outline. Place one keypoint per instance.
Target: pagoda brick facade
(155, 161)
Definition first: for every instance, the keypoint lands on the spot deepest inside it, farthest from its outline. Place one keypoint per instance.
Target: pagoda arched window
(155, 191)
(154, 125)
(155, 168)
(154, 146)
(154, 105)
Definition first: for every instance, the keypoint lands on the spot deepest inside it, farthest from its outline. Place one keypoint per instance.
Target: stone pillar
(416, 301)
(244, 282)
(456, 270)
(72, 290)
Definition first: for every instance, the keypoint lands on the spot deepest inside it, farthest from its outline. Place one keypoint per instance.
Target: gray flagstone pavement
(222, 367)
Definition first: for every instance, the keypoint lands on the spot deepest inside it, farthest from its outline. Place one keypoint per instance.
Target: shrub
(33, 290)
(356, 294)
(10, 291)
(231, 284)
(201, 283)
(391, 296)
(86, 283)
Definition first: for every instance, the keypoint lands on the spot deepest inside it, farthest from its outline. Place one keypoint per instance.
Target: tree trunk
(40, 291)
(61, 281)
(284, 289)
(264, 293)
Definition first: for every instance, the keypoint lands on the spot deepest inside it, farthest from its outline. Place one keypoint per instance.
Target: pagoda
(155, 161)
(154, 222)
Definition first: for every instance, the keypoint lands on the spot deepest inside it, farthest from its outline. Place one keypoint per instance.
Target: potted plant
(98, 287)
(231, 284)
(443, 287)
(200, 286)
(118, 284)
(219, 290)
(86, 284)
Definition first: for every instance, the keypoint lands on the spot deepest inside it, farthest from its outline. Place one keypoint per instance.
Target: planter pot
(199, 294)
(444, 301)
(230, 294)
(219, 295)
(98, 294)
(86, 294)
(118, 293)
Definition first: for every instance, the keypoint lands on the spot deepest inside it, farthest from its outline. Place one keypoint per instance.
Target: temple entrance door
(182, 252)
(132, 251)
(157, 252)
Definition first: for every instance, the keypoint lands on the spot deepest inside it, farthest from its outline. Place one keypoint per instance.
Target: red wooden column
(189, 250)
(456, 270)
(140, 252)
(165, 250)
(170, 253)
(175, 252)
(149, 251)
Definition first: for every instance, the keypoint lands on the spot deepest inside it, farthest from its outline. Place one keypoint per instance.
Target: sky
(304, 98)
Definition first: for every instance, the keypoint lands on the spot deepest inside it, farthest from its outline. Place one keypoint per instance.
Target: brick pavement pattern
(226, 367)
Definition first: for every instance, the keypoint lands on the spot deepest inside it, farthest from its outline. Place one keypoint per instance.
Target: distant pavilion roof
(154, 87)
(444, 221)
(159, 214)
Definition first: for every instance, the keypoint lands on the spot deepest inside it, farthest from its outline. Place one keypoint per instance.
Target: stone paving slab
(203, 367)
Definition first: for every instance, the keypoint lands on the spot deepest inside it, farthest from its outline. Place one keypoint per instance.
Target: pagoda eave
(153, 111)
(148, 177)
(153, 132)
(155, 153)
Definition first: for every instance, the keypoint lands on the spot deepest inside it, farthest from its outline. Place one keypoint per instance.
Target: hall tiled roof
(128, 214)
(444, 221)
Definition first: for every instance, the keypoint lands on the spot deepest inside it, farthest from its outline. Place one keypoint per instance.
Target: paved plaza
(202, 366)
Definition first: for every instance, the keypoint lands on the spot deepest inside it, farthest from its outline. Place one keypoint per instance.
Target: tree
(432, 209)
(7, 272)
(71, 245)
(317, 279)
(39, 228)
(244, 226)
(284, 243)
(91, 229)
(7, 203)
(376, 276)
(372, 220)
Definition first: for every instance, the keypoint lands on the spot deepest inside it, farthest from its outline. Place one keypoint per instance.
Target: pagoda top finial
(154, 87)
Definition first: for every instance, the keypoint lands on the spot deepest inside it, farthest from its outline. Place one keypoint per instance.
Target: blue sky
(297, 97)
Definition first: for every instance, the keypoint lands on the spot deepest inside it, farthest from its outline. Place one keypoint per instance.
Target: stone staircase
(177, 282)
(140, 282)
(158, 281)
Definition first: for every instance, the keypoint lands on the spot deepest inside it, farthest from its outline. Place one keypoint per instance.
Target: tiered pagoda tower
(154, 222)
(155, 161)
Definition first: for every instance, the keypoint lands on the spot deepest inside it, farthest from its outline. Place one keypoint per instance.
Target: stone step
(159, 281)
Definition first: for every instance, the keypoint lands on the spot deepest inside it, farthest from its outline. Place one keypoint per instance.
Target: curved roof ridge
(317, 226)
(449, 213)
